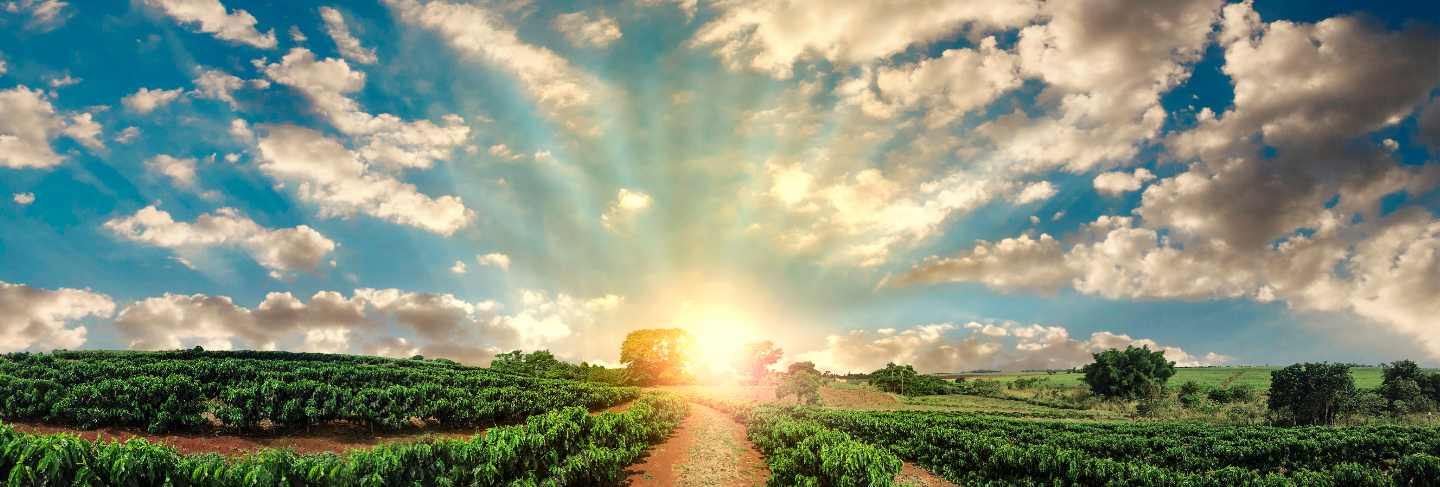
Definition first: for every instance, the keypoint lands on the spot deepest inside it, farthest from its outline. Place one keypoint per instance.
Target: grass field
(1255, 376)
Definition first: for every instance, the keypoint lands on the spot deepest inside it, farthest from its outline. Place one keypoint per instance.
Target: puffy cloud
(946, 347)
(1120, 182)
(946, 87)
(26, 129)
(621, 212)
(210, 17)
(384, 139)
(181, 171)
(128, 135)
(1011, 264)
(83, 128)
(29, 124)
(23, 199)
(38, 319)
(1104, 64)
(764, 35)
(584, 30)
(341, 184)
(1034, 192)
(563, 92)
(281, 251)
(494, 260)
(2, 66)
(44, 15)
(458, 267)
(63, 81)
(345, 42)
(868, 214)
(215, 84)
(147, 100)
(175, 321)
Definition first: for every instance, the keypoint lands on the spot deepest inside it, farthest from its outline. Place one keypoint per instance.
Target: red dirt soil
(335, 439)
(912, 475)
(708, 449)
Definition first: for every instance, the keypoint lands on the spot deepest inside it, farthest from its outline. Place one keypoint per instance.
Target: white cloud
(345, 42)
(176, 321)
(37, 319)
(297, 35)
(83, 128)
(209, 16)
(458, 268)
(620, 214)
(44, 15)
(23, 199)
(180, 171)
(494, 260)
(1034, 192)
(503, 152)
(63, 81)
(584, 30)
(128, 135)
(946, 347)
(26, 129)
(1104, 64)
(215, 84)
(1120, 182)
(765, 36)
(281, 251)
(341, 184)
(946, 87)
(147, 100)
(384, 139)
(563, 92)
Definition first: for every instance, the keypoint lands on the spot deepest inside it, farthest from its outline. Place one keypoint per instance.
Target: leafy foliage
(168, 390)
(978, 449)
(757, 358)
(903, 379)
(1310, 393)
(802, 383)
(1129, 374)
(657, 356)
(564, 447)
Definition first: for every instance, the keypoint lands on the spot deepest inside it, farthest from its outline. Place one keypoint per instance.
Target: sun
(720, 336)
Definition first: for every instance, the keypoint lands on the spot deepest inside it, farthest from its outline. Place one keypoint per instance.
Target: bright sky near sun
(956, 185)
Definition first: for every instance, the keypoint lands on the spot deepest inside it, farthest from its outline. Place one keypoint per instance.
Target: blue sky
(959, 186)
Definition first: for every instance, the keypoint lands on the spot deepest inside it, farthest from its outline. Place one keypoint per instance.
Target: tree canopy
(1128, 374)
(757, 358)
(657, 356)
(1310, 393)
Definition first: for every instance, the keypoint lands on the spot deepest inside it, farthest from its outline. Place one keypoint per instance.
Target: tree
(1128, 374)
(657, 356)
(757, 359)
(802, 381)
(903, 379)
(540, 363)
(1310, 393)
(806, 366)
(1404, 387)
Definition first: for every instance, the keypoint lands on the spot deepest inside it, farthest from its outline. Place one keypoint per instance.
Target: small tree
(1310, 393)
(757, 359)
(802, 381)
(657, 356)
(1404, 387)
(1128, 374)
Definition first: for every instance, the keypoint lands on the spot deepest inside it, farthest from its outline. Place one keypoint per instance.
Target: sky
(995, 184)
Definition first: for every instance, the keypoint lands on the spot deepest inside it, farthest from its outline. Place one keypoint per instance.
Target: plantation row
(980, 450)
(565, 447)
(245, 390)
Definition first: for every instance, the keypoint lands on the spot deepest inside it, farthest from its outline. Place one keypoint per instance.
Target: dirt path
(912, 475)
(708, 449)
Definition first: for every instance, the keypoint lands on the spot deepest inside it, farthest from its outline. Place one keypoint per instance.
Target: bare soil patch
(708, 449)
(912, 475)
(329, 439)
